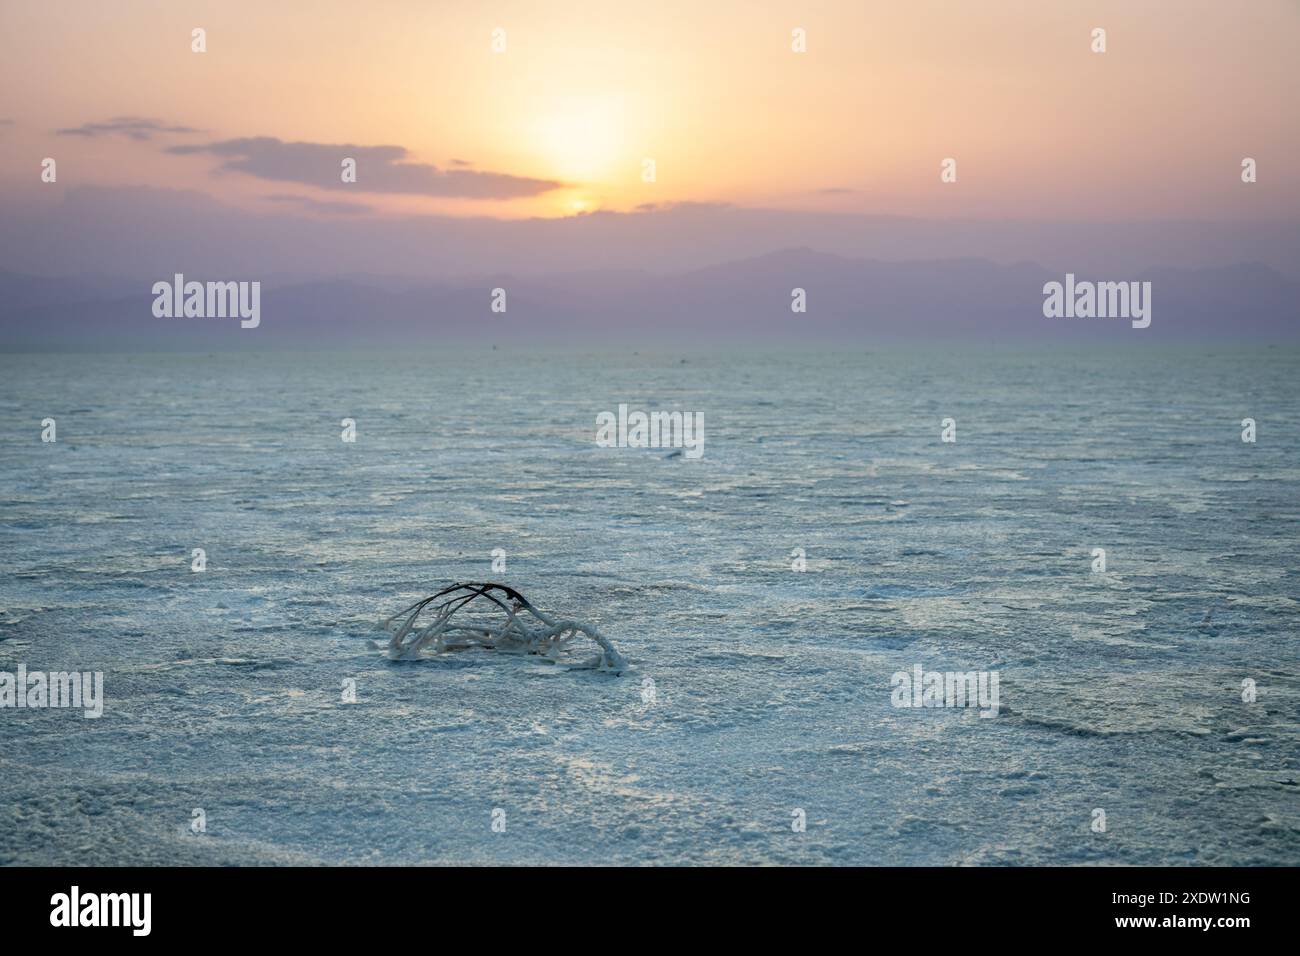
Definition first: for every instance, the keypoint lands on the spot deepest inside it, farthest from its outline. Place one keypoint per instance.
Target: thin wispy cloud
(136, 127)
(316, 205)
(380, 169)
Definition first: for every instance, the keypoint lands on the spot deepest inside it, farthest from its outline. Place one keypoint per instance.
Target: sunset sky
(559, 123)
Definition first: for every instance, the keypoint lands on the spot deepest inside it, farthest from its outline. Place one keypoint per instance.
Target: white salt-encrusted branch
(503, 620)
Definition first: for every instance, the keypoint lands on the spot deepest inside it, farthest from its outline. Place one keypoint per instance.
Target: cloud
(835, 191)
(315, 205)
(379, 169)
(136, 127)
(6, 122)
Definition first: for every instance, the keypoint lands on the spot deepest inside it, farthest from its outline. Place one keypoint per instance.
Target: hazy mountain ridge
(148, 231)
(848, 300)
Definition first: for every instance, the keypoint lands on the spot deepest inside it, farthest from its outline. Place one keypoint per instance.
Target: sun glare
(580, 138)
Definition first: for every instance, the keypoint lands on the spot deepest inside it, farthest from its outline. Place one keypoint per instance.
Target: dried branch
(496, 617)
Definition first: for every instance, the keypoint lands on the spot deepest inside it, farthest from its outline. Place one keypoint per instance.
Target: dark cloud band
(136, 127)
(380, 169)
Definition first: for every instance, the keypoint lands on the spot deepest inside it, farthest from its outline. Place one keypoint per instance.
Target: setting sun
(580, 138)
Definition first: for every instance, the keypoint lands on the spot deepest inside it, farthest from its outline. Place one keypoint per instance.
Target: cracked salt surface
(772, 688)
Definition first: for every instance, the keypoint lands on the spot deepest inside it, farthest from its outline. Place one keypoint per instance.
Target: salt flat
(771, 688)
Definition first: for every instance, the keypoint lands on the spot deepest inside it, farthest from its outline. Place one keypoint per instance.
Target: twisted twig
(430, 626)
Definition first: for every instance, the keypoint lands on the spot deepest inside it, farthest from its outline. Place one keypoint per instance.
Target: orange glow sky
(1041, 127)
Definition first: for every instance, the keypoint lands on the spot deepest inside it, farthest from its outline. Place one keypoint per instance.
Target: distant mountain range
(849, 300)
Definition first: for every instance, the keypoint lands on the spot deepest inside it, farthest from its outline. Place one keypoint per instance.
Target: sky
(560, 122)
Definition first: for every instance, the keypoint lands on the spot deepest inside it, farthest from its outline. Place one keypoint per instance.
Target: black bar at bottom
(369, 905)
